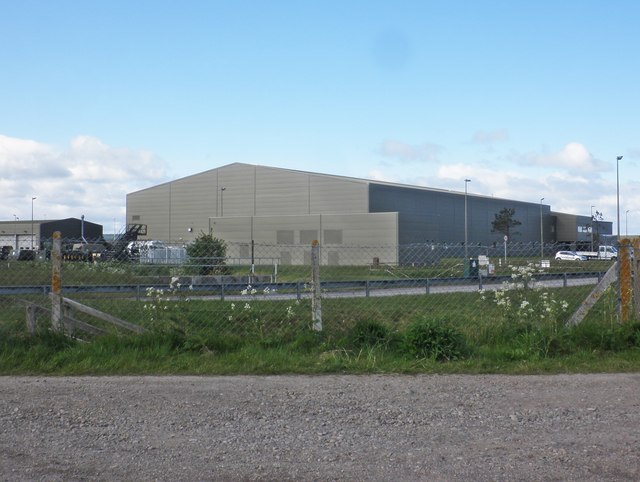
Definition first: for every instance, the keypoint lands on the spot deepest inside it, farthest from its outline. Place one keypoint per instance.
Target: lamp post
(618, 192)
(15, 229)
(541, 232)
(618, 158)
(466, 252)
(33, 198)
(222, 190)
(592, 220)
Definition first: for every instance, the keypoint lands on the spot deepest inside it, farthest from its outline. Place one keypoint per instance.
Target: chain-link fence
(269, 291)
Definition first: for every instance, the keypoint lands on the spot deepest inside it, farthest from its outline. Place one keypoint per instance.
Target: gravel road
(386, 427)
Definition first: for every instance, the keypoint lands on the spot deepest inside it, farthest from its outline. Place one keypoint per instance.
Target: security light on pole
(592, 222)
(32, 240)
(541, 231)
(618, 159)
(466, 240)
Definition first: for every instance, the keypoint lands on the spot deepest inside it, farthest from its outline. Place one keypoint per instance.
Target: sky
(529, 100)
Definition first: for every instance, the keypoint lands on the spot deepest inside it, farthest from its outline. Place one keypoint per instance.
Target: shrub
(208, 253)
(432, 339)
(369, 333)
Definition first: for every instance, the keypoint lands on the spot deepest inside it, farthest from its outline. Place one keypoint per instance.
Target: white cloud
(574, 157)
(405, 152)
(87, 177)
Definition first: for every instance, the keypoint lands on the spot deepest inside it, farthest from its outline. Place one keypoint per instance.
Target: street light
(15, 229)
(222, 190)
(592, 220)
(618, 192)
(618, 158)
(541, 232)
(32, 199)
(466, 254)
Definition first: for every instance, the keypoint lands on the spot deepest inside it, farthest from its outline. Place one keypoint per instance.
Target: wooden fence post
(316, 299)
(56, 283)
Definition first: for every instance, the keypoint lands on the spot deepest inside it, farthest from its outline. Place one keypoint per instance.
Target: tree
(504, 222)
(595, 227)
(208, 253)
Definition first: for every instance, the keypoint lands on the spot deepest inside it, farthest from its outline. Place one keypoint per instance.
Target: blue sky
(527, 99)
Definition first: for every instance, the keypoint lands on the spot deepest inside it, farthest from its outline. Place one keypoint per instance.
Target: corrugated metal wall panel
(281, 192)
(193, 201)
(238, 197)
(362, 229)
(151, 207)
(335, 195)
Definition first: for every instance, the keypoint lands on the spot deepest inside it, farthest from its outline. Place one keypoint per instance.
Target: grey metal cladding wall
(336, 195)
(193, 200)
(281, 192)
(151, 207)
(438, 216)
(422, 215)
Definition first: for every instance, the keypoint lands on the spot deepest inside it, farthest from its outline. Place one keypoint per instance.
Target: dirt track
(568, 427)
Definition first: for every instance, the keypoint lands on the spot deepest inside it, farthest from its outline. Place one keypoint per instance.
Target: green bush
(368, 333)
(208, 254)
(426, 338)
(615, 337)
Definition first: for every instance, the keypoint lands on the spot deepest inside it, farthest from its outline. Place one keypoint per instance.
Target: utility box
(471, 268)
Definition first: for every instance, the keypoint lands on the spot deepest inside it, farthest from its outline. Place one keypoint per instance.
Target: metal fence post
(56, 283)
(316, 300)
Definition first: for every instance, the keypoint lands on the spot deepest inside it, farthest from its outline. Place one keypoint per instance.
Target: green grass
(359, 336)
(83, 273)
(399, 334)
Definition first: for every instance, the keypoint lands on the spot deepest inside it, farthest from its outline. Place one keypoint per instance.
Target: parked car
(570, 256)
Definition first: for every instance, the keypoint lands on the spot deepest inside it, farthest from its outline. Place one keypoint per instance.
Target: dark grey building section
(580, 231)
(71, 229)
(427, 215)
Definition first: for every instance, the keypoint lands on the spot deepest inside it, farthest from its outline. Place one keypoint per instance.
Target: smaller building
(581, 232)
(26, 234)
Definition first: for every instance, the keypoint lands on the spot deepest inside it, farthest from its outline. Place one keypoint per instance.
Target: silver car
(570, 256)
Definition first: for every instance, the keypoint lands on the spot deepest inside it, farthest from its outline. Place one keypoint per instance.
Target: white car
(570, 256)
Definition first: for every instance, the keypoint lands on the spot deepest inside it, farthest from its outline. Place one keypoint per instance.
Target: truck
(604, 252)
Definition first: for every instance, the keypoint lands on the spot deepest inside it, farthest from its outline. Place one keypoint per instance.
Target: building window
(307, 236)
(135, 217)
(284, 237)
(333, 236)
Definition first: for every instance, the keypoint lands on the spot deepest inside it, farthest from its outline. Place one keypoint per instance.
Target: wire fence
(275, 291)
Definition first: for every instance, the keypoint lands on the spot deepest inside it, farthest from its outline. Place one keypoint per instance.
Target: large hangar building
(244, 203)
